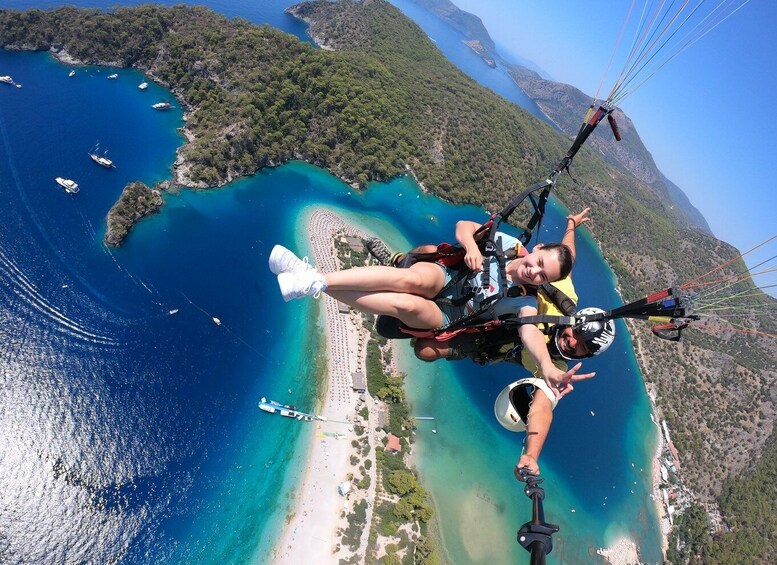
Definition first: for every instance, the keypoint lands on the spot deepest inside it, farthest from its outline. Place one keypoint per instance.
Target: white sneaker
(284, 261)
(297, 285)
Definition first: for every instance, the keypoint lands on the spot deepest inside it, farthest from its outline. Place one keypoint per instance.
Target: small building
(344, 488)
(342, 308)
(358, 382)
(393, 444)
(675, 455)
(382, 416)
(355, 243)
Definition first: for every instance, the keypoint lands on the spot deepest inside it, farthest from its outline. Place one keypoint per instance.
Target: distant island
(381, 100)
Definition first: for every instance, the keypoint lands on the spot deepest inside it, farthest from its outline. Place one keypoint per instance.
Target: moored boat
(70, 186)
(101, 160)
(143, 86)
(287, 410)
(113, 76)
(162, 106)
(71, 73)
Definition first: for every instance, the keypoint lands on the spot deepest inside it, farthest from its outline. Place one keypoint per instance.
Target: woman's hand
(579, 219)
(474, 259)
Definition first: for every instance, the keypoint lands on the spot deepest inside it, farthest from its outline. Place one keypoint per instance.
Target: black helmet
(597, 335)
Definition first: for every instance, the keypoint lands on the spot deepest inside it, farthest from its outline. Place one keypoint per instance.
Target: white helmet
(597, 335)
(511, 408)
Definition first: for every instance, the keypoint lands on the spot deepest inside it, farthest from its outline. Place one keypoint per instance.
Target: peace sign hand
(562, 384)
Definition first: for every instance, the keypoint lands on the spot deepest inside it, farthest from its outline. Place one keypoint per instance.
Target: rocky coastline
(478, 48)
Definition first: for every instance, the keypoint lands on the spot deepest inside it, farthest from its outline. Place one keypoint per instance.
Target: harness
(452, 257)
(484, 318)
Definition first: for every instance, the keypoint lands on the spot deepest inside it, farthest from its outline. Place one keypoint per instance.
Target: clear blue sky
(708, 117)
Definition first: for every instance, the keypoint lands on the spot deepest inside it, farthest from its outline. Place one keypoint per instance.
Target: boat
(173, 311)
(162, 106)
(287, 410)
(6, 79)
(70, 186)
(113, 76)
(71, 73)
(18, 86)
(143, 86)
(216, 321)
(101, 160)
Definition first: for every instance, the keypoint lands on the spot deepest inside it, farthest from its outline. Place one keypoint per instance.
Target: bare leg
(428, 248)
(413, 310)
(430, 349)
(422, 279)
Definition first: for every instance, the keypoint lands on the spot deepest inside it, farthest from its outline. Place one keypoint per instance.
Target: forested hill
(386, 98)
(566, 105)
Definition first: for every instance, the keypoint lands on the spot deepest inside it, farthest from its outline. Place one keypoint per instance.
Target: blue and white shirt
(503, 306)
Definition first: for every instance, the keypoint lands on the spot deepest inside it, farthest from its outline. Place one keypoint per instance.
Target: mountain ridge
(561, 102)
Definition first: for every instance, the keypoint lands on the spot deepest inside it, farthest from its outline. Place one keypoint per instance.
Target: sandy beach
(310, 535)
(663, 517)
(622, 552)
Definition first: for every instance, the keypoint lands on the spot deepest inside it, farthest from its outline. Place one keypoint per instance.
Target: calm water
(132, 432)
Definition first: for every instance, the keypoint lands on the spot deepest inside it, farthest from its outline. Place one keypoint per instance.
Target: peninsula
(136, 202)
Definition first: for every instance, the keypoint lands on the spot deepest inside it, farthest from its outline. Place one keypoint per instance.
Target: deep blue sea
(130, 432)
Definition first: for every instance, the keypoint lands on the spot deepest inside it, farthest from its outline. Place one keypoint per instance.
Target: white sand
(622, 552)
(311, 536)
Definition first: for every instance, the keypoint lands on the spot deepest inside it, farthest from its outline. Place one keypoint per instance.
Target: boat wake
(31, 297)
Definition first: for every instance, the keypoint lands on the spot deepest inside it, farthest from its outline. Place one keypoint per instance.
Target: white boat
(162, 106)
(18, 86)
(216, 321)
(71, 73)
(173, 311)
(143, 86)
(287, 410)
(6, 79)
(113, 76)
(70, 186)
(101, 160)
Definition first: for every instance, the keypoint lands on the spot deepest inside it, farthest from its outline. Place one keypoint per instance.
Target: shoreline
(664, 524)
(311, 529)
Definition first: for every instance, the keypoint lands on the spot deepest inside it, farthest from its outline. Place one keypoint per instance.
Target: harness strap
(557, 297)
